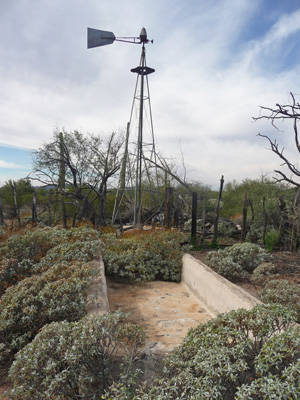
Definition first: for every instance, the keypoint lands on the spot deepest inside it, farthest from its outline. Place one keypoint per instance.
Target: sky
(216, 62)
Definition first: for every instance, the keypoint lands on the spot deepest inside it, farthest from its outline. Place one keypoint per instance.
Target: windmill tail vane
(97, 38)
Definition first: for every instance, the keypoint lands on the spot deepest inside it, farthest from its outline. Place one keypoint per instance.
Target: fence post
(34, 211)
(168, 206)
(2, 223)
(194, 219)
(217, 208)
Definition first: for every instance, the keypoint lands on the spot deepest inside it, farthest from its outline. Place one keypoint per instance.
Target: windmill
(133, 177)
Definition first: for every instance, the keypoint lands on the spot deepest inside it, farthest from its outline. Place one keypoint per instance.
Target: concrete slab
(166, 310)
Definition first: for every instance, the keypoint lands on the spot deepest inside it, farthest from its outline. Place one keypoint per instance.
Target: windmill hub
(143, 36)
(143, 70)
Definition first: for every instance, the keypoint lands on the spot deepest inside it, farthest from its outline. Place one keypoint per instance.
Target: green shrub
(284, 386)
(225, 265)
(57, 294)
(278, 353)
(237, 261)
(222, 357)
(145, 256)
(12, 271)
(76, 360)
(32, 245)
(263, 272)
(272, 240)
(80, 250)
(284, 292)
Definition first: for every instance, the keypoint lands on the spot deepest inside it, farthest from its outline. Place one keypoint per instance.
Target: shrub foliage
(76, 360)
(237, 261)
(283, 292)
(50, 285)
(145, 256)
(253, 353)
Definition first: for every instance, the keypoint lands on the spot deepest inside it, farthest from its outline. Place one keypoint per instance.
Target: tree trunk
(194, 219)
(244, 225)
(217, 208)
(295, 223)
(62, 165)
(102, 206)
(62, 178)
(253, 237)
(203, 223)
(2, 223)
(16, 205)
(64, 212)
(34, 211)
(265, 221)
(168, 206)
(49, 208)
(284, 227)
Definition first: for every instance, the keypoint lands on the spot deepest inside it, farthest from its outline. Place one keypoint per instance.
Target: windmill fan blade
(96, 38)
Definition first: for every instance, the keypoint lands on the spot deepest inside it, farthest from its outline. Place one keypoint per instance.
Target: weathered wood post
(295, 224)
(265, 220)
(203, 222)
(62, 178)
(34, 211)
(2, 223)
(49, 208)
(194, 219)
(16, 204)
(217, 209)
(244, 226)
(168, 206)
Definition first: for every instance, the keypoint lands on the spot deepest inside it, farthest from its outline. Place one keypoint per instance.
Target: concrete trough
(216, 293)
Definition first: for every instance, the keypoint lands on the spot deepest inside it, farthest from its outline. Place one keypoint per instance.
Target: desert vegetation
(50, 348)
(51, 238)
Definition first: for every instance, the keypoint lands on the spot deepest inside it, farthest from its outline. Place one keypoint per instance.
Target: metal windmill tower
(137, 174)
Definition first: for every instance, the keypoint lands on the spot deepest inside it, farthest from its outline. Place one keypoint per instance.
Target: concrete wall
(97, 300)
(215, 292)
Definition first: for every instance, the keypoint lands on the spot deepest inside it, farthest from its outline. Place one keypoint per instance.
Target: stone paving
(165, 310)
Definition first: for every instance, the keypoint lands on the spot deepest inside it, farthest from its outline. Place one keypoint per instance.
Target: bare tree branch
(283, 112)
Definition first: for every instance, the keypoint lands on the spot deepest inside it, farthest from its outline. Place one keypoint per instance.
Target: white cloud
(210, 75)
(9, 165)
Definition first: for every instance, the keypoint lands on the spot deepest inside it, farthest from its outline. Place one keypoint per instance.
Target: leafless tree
(79, 167)
(280, 112)
(284, 112)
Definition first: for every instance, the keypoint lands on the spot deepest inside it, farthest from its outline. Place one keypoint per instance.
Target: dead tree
(16, 204)
(2, 222)
(168, 214)
(34, 209)
(194, 218)
(79, 167)
(290, 170)
(289, 112)
(244, 225)
(217, 208)
(265, 220)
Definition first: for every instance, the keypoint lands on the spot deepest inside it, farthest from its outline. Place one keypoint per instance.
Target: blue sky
(216, 62)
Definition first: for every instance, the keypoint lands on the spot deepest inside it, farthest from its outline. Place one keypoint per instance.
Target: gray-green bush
(142, 257)
(237, 261)
(237, 353)
(77, 360)
(283, 292)
(263, 272)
